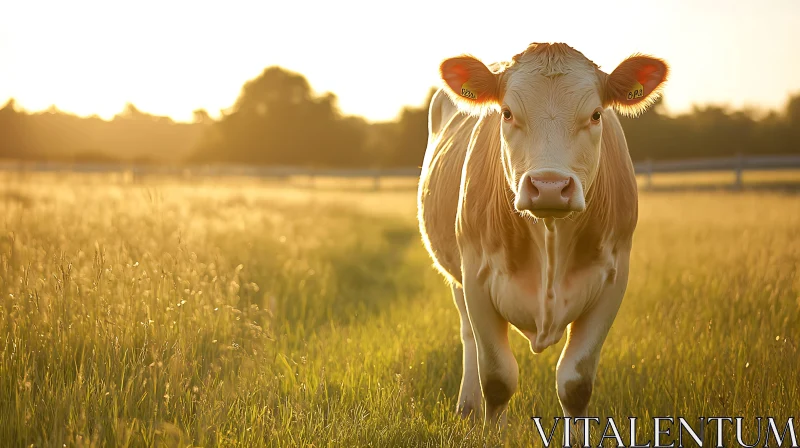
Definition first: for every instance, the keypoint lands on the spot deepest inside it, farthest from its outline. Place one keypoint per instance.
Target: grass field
(180, 314)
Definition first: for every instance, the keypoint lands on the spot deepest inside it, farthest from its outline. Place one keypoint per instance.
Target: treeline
(131, 136)
(713, 131)
(278, 120)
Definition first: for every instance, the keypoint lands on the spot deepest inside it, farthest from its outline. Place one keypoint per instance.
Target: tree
(200, 116)
(406, 142)
(12, 132)
(277, 119)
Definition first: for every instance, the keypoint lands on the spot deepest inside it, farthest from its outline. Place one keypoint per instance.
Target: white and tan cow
(527, 204)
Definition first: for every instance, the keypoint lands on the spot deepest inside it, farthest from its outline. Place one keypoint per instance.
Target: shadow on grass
(339, 269)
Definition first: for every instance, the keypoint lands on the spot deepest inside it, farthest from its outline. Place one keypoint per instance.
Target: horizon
(163, 60)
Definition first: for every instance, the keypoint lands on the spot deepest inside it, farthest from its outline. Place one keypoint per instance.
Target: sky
(170, 57)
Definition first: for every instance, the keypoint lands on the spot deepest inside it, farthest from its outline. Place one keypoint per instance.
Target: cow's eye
(596, 117)
(506, 114)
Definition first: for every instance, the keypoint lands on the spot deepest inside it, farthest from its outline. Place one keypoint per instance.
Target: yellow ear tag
(468, 92)
(637, 91)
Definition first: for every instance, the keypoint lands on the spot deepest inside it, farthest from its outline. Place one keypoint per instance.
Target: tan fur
(505, 265)
(487, 223)
(486, 212)
(613, 206)
(437, 196)
(553, 59)
(494, 221)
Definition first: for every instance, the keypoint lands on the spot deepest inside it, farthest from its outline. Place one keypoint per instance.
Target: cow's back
(440, 181)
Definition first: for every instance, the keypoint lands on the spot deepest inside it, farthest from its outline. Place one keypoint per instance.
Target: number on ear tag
(637, 91)
(468, 92)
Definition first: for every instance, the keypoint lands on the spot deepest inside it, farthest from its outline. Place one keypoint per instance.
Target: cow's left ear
(635, 84)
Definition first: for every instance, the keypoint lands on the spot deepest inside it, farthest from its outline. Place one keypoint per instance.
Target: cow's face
(551, 103)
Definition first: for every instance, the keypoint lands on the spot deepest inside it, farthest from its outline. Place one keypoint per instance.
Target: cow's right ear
(471, 85)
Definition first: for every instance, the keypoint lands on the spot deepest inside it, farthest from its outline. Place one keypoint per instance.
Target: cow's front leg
(497, 368)
(469, 395)
(577, 366)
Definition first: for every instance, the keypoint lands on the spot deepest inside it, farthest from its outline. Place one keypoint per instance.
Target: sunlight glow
(169, 58)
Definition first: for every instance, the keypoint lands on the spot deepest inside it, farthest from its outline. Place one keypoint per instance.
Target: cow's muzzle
(549, 194)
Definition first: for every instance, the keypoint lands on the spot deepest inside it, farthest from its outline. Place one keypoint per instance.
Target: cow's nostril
(568, 189)
(534, 190)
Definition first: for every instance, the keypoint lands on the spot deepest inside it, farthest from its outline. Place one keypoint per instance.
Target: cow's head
(552, 102)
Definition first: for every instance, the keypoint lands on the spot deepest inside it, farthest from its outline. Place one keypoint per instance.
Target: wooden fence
(736, 165)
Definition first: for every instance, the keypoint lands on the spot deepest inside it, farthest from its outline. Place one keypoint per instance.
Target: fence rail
(737, 165)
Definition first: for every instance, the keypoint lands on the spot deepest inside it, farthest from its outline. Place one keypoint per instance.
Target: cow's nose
(551, 193)
(547, 193)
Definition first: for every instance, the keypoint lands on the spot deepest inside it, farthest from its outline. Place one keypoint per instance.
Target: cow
(527, 204)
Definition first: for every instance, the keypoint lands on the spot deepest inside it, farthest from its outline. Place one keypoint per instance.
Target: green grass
(191, 314)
